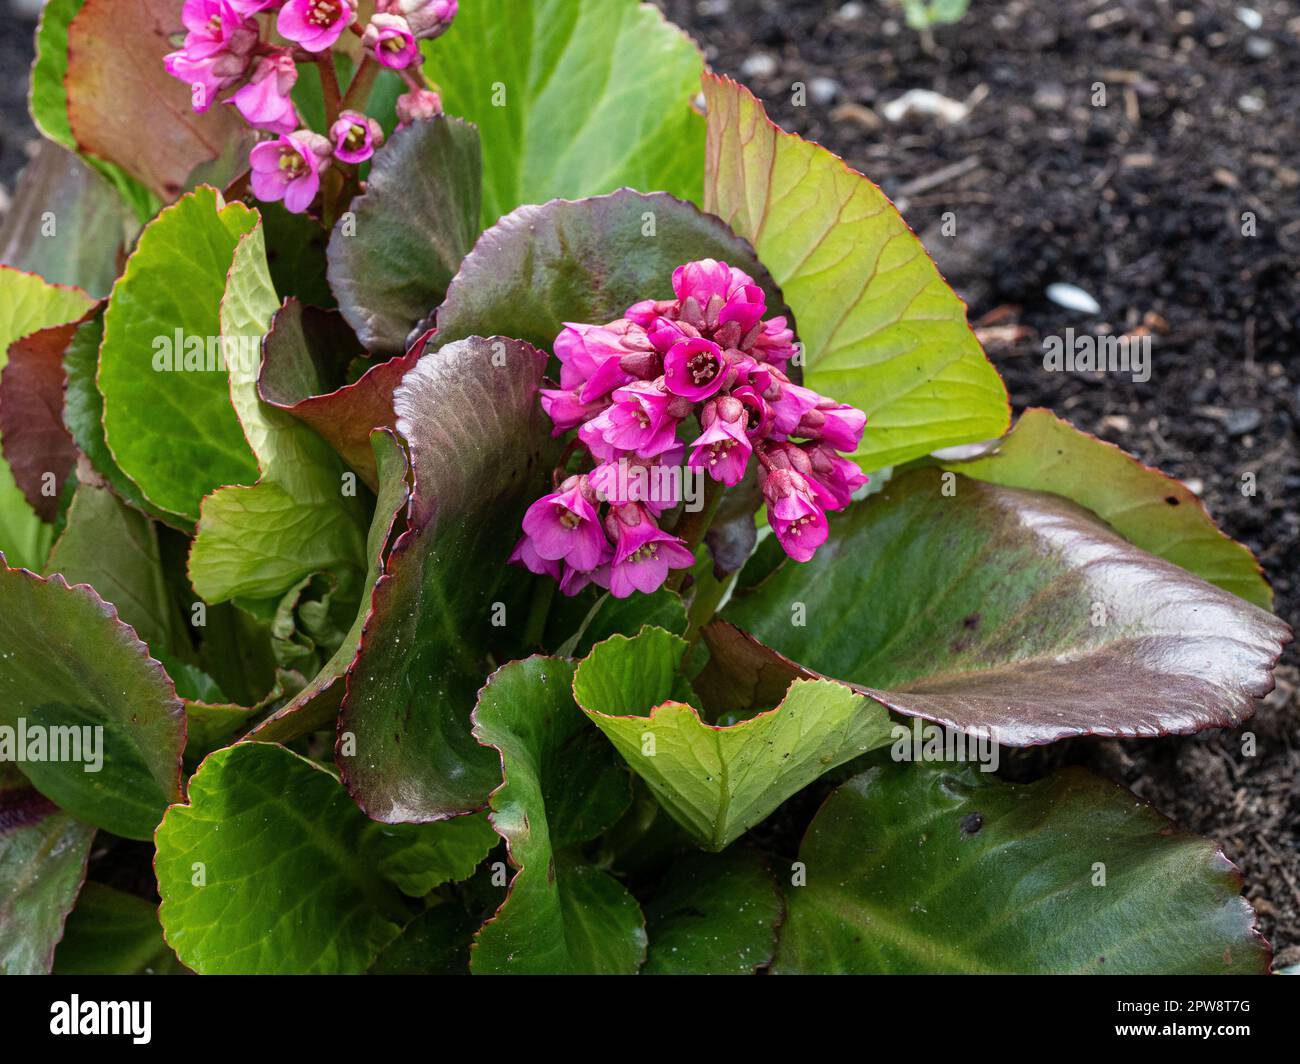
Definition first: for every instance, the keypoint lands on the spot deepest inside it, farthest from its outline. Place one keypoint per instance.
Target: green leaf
(560, 916)
(284, 886)
(575, 625)
(718, 782)
(114, 549)
(435, 943)
(123, 106)
(1149, 509)
(65, 223)
(572, 98)
(714, 915)
(43, 854)
(111, 932)
(67, 664)
(27, 305)
(880, 328)
(390, 263)
(949, 871)
(1005, 613)
(173, 431)
(469, 414)
(298, 519)
(586, 261)
(318, 703)
(419, 857)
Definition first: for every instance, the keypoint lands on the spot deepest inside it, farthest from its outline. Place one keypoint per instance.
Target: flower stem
(358, 94)
(694, 524)
(538, 610)
(329, 82)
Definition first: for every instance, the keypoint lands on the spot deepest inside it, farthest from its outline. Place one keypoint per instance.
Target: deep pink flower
(355, 137)
(567, 410)
(694, 369)
(642, 420)
(288, 168)
(264, 101)
(799, 523)
(248, 8)
(416, 105)
(789, 402)
(834, 478)
(315, 24)
(525, 554)
(839, 424)
(390, 40)
(217, 50)
(564, 526)
(712, 293)
(774, 343)
(591, 356)
(656, 483)
(643, 553)
(427, 18)
(723, 449)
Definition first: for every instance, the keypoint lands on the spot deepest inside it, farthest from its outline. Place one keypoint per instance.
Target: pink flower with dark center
(564, 526)
(427, 18)
(416, 105)
(288, 168)
(390, 40)
(839, 424)
(643, 553)
(834, 478)
(694, 369)
(655, 482)
(355, 137)
(264, 101)
(643, 419)
(723, 449)
(799, 523)
(315, 24)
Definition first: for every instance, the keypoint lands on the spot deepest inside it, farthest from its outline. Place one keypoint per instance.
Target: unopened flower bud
(417, 104)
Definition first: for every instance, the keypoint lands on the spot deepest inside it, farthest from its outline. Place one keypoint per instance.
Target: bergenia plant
(484, 519)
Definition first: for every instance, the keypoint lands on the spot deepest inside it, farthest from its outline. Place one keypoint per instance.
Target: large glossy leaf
(174, 432)
(470, 417)
(266, 870)
(111, 932)
(66, 223)
(718, 782)
(317, 704)
(68, 663)
(123, 107)
(305, 358)
(949, 871)
(1146, 507)
(37, 447)
(540, 267)
(714, 915)
(43, 853)
(391, 260)
(560, 789)
(303, 515)
(27, 305)
(1008, 613)
(572, 98)
(879, 326)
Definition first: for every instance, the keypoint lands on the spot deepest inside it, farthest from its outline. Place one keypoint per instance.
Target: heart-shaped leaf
(573, 98)
(589, 260)
(124, 107)
(718, 782)
(76, 678)
(1011, 614)
(470, 416)
(390, 262)
(317, 704)
(303, 516)
(111, 932)
(302, 348)
(879, 326)
(560, 789)
(714, 915)
(946, 870)
(167, 418)
(1149, 509)
(43, 854)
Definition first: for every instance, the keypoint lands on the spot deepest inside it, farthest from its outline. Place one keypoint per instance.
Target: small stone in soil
(758, 65)
(823, 90)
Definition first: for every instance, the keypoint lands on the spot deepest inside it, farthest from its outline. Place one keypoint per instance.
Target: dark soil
(1140, 204)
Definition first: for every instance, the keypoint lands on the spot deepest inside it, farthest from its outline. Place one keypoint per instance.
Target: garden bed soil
(1139, 203)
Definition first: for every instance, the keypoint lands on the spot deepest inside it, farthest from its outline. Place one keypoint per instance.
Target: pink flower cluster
(704, 367)
(227, 44)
